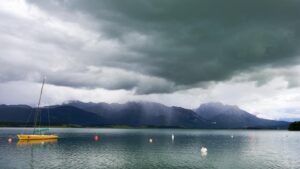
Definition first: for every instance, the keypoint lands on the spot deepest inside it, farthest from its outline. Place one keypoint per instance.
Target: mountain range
(138, 114)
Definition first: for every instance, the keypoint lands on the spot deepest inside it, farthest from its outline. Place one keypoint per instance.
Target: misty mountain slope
(138, 114)
(15, 113)
(57, 114)
(226, 116)
(70, 115)
(144, 113)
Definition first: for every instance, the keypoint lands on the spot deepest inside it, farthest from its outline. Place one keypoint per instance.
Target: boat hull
(35, 142)
(36, 137)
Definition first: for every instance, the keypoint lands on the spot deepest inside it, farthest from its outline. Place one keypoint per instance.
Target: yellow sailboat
(36, 137)
(37, 132)
(35, 142)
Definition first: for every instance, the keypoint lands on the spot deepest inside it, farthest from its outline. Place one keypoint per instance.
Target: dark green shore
(295, 126)
(29, 125)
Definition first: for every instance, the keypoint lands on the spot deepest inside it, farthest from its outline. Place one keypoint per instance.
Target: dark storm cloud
(190, 42)
(195, 41)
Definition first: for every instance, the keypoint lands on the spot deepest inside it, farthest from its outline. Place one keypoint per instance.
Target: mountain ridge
(136, 114)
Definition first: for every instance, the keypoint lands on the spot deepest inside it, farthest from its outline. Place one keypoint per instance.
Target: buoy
(9, 140)
(231, 136)
(203, 151)
(173, 136)
(96, 138)
(150, 140)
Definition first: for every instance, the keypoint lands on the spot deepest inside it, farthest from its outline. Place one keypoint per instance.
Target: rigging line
(40, 119)
(48, 114)
(28, 118)
(36, 116)
(48, 117)
(35, 119)
(48, 109)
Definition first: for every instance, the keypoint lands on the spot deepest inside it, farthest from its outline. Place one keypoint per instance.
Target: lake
(130, 149)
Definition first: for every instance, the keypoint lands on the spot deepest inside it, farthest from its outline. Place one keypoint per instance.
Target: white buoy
(173, 136)
(203, 151)
(150, 140)
(231, 136)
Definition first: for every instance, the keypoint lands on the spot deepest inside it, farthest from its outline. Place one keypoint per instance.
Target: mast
(38, 108)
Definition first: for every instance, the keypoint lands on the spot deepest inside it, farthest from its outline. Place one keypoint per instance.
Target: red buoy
(96, 138)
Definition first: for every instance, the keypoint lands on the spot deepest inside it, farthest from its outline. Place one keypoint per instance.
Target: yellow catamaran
(37, 133)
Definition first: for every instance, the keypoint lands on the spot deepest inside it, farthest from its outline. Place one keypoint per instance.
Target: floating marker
(203, 151)
(173, 136)
(231, 136)
(96, 138)
(9, 140)
(150, 140)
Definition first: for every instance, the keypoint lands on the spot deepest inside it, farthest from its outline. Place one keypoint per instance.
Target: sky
(178, 53)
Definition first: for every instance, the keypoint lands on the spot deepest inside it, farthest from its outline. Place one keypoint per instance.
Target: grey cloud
(156, 46)
(266, 74)
(112, 78)
(197, 41)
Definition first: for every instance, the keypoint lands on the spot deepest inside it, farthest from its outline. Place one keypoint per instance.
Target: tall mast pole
(37, 111)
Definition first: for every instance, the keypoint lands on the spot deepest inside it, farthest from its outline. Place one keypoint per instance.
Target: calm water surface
(130, 148)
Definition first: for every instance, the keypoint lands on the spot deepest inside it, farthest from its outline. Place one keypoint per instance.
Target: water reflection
(203, 154)
(107, 148)
(31, 152)
(35, 142)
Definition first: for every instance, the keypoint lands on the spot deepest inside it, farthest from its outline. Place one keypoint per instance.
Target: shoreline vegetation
(295, 126)
(29, 125)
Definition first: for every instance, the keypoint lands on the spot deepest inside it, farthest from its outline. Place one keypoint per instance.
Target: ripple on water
(131, 149)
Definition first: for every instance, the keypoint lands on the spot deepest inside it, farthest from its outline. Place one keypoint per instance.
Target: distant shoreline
(133, 127)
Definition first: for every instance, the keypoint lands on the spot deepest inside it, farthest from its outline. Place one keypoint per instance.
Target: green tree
(295, 126)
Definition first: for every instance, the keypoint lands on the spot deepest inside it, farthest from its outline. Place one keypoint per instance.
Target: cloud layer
(153, 49)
